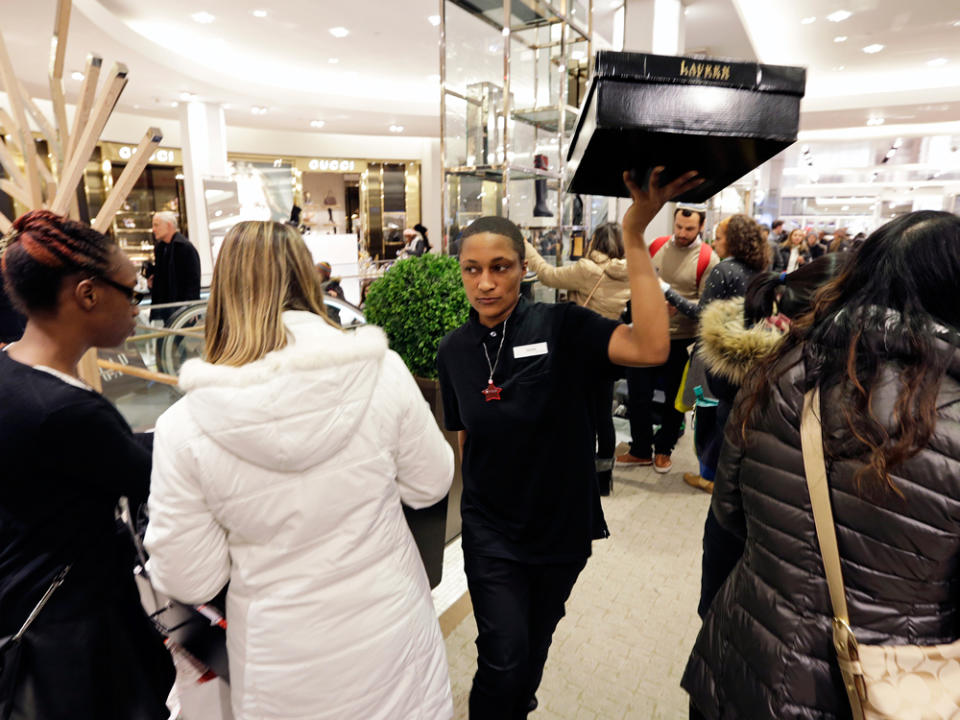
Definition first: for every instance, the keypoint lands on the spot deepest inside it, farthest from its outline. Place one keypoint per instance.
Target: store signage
(117, 152)
(164, 156)
(332, 165)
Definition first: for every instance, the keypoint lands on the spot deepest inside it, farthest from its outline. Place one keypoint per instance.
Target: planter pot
(434, 526)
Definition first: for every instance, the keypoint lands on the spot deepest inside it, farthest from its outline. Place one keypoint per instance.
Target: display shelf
(511, 72)
(547, 118)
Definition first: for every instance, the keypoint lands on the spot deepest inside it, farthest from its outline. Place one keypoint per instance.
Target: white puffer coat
(285, 477)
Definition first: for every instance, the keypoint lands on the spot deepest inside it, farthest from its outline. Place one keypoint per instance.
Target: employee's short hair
(496, 226)
(168, 217)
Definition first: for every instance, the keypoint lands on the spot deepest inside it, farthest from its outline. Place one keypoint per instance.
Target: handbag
(883, 682)
(11, 648)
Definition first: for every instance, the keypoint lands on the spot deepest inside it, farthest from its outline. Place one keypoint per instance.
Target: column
(653, 26)
(204, 139)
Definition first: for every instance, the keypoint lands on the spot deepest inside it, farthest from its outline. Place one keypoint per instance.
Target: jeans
(641, 382)
(517, 607)
(606, 434)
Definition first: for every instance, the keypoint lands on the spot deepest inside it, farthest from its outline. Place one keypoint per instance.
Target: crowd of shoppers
(281, 472)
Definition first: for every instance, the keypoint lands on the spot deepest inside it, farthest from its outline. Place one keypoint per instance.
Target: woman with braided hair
(68, 457)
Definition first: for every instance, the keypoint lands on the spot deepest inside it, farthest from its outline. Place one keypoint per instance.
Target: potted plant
(416, 302)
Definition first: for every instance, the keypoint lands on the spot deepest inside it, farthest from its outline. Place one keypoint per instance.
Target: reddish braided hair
(43, 248)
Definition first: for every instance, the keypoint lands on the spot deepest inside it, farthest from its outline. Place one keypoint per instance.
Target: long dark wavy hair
(904, 278)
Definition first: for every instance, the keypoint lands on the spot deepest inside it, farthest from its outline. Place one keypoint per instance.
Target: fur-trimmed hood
(297, 405)
(727, 346)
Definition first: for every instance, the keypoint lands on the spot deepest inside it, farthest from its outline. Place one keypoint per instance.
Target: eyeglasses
(134, 296)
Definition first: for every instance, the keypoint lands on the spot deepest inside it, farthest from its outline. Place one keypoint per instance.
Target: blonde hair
(263, 268)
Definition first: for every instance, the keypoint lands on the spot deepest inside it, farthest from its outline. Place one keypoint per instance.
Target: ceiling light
(317, 123)
(875, 121)
(898, 143)
(76, 75)
(187, 96)
(396, 128)
(957, 23)
(840, 38)
(259, 13)
(874, 48)
(203, 17)
(174, 104)
(838, 68)
(839, 15)
(339, 32)
(258, 110)
(333, 61)
(937, 62)
(808, 20)
(434, 20)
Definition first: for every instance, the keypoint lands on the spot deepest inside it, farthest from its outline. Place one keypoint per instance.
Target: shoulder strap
(703, 261)
(811, 442)
(657, 244)
(590, 296)
(57, 582)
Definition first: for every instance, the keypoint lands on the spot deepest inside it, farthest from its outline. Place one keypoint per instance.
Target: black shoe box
(718, 117)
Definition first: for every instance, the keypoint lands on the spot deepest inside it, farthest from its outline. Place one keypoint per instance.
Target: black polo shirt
(529, 477)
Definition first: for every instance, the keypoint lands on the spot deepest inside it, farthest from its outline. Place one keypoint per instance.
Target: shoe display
(628, 459)
(662, 463)
(541, 209)
(694, 480)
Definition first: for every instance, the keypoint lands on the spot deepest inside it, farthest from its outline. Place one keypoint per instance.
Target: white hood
(296, 407)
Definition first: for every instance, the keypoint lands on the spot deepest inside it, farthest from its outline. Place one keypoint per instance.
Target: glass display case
(513, 73)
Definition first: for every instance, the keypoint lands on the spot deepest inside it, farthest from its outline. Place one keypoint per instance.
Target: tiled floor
(631, 620)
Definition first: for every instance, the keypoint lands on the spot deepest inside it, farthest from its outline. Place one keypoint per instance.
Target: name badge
(524, 351)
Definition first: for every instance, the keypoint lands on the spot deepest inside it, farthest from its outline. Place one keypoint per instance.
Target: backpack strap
(657, 244)
(703, 261)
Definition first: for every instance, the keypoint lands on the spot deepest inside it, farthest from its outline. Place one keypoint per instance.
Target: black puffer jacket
(765, 647)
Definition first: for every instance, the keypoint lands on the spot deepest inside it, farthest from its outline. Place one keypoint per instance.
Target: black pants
(517, 607)
(641, 382)
(606, 434)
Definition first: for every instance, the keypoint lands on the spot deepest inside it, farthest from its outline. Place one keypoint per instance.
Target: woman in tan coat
(599, 282)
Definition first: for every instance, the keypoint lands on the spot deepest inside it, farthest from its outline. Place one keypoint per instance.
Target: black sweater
(68, 456)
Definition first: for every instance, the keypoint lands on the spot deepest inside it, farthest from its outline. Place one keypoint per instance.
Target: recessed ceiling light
(839, 15)
(187, 96)
(874, 48)
(875, 121)
(434, 20)
(258, 110)
(76, 75)
(340, 32)
(317, 123)
(808, 20)
(333, 61)
(203, 17)
(840, 38)
(174, 104)
(259, 13)
(396, 128)
(957, 23)
(937, 62)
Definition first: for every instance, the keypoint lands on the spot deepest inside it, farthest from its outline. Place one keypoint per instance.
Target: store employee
(515, 384)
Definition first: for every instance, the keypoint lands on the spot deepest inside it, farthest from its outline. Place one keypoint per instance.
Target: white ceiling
(388, 64)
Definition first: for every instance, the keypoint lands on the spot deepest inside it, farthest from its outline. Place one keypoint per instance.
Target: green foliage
(417, 302)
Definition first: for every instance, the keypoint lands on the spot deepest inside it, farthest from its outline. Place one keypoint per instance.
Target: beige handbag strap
(814, 467)
(599, 279)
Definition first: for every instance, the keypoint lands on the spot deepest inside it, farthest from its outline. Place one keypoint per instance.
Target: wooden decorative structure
(38, 185)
